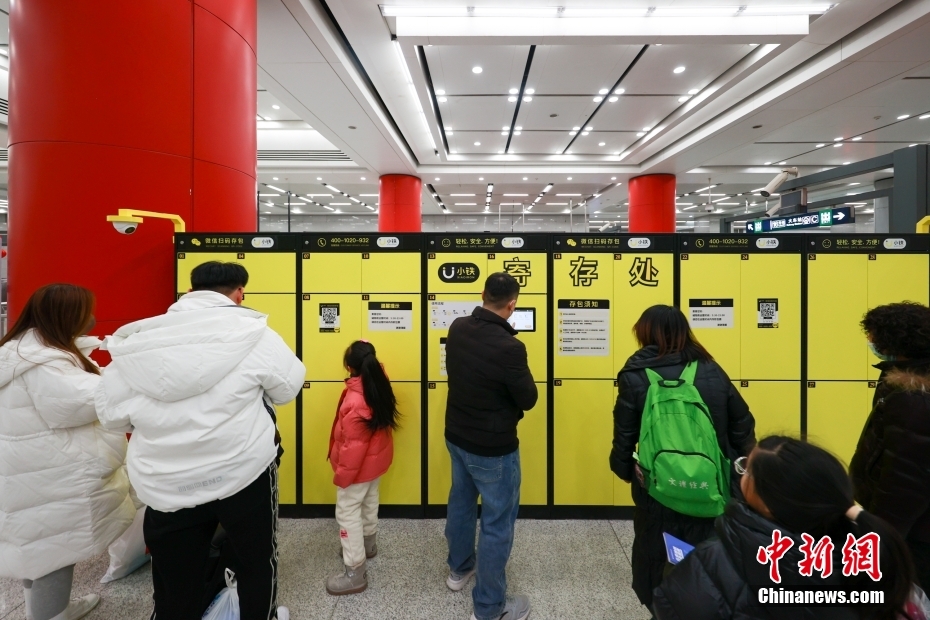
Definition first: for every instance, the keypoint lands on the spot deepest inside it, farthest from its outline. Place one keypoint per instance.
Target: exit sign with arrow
(826, 217)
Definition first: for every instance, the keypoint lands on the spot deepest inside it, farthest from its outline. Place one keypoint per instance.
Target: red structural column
(399, 198)
(652, 204)
(148, 105)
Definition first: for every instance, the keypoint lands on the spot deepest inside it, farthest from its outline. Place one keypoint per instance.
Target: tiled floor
(569, 569)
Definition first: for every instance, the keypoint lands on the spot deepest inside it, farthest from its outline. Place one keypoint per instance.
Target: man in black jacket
(490, 386)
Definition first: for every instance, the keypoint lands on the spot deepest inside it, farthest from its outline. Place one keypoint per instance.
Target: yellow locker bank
(846, 276)
(456, 268)
(601, 284)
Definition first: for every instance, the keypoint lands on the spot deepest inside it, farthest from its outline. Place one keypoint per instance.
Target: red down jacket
(356, 454)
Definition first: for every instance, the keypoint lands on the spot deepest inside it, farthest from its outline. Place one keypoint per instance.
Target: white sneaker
(283, 613)
(516, 608)
(79, 608)
(457, 582)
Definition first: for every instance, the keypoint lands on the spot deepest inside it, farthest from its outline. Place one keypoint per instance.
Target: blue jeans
(497, 480)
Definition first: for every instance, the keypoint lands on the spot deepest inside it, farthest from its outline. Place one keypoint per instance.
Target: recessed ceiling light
(857, 138)
(476, 69)
(640, 134)
(524, 178)
(619, 91)
(505, 128)
(575, 128)
(837, 139)
(481, 178)
(589, 128)
(516, 133)
(584, 133)
(782, 163)
(441, 99)
(477, 144)
(678, 70)
(569, 178)
(275, 107)
(836, 146)
(768, 163)
(904, 116)
(319, 178)
(820, 145)
(603, 91)
(694, 91)
(363, 178)
(518, 128)
(440, 92)
(568, 152)
(613, 99)
(511, 99)
(613, 178)
(854, 183)
(504, 133)
(514, 91)
(436, 179)
(572, 133)
(530, 91)
(683, 99)
(846, 163)
(924, 117)
(500, 152)
(601, 143)
(598, 99)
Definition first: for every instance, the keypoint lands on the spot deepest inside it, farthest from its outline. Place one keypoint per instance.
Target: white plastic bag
(127, 553)
(226, 604)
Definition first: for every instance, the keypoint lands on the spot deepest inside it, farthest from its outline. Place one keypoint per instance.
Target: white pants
(357, 516)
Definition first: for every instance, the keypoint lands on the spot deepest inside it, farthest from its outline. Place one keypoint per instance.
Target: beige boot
(371, 546)
(350, 581)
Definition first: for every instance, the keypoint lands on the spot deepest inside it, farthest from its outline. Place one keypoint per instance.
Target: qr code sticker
(767, 310)
(329, 317)
(768, 313)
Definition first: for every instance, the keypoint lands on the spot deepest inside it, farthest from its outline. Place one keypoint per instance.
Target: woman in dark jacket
(796, 488)
(667, 346)
(891, 467)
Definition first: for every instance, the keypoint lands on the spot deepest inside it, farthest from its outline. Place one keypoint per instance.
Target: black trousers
(180, 544)
(920, 553)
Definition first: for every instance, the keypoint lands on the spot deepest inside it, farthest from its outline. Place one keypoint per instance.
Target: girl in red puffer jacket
(361, 448)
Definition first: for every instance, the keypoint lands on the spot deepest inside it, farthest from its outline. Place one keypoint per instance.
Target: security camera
(778, 180)
(709, 208)
(125, 228)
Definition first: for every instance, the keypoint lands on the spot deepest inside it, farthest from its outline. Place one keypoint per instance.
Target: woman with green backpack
(678, 425)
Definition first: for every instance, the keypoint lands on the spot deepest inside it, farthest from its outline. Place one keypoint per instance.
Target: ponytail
(808, 490)
(379, 395)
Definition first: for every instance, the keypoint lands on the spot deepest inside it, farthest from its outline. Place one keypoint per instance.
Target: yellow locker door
(837, 297)
(776, 406)
(398, 350)
(287, 471)
(453, 261)
(323, 351)
(270, 272)
(836, 414)
(640, 282)
(894, 278)
(530, 270)
(537, 342)
(583, 276)
(437, 455)
(320, 401)
(401, 484)
(583, 433)
(386, 272)
(773, 351)
(332, 272)
(713, 277)
(534, 452)
(439, 316)
(282, 313)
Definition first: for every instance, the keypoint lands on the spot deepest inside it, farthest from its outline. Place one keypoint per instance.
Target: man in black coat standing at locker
(490, 386)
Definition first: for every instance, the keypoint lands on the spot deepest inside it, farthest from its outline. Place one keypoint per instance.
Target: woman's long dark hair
(58, 313)
(666, 328)
(360, 358)
(808, 491)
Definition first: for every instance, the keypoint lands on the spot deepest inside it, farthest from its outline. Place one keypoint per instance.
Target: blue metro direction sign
(825, 217)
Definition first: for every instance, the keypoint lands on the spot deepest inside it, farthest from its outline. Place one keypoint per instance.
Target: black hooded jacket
(720, 578)
(891, 467)
(733, 422)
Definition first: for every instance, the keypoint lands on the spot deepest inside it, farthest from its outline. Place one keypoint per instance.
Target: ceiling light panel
(502, 69)
(654, 73)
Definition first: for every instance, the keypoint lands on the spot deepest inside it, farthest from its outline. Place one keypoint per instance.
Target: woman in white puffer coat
(64, 492)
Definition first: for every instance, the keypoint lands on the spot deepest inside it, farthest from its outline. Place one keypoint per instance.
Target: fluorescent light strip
(413, 91)
(461, 194)
(277, 189)
(269, 194)
(563, 12)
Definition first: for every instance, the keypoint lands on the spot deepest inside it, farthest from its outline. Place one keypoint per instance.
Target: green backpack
(683, 466)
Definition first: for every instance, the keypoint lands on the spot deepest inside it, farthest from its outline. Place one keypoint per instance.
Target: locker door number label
(390, 316)
(711, 313)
